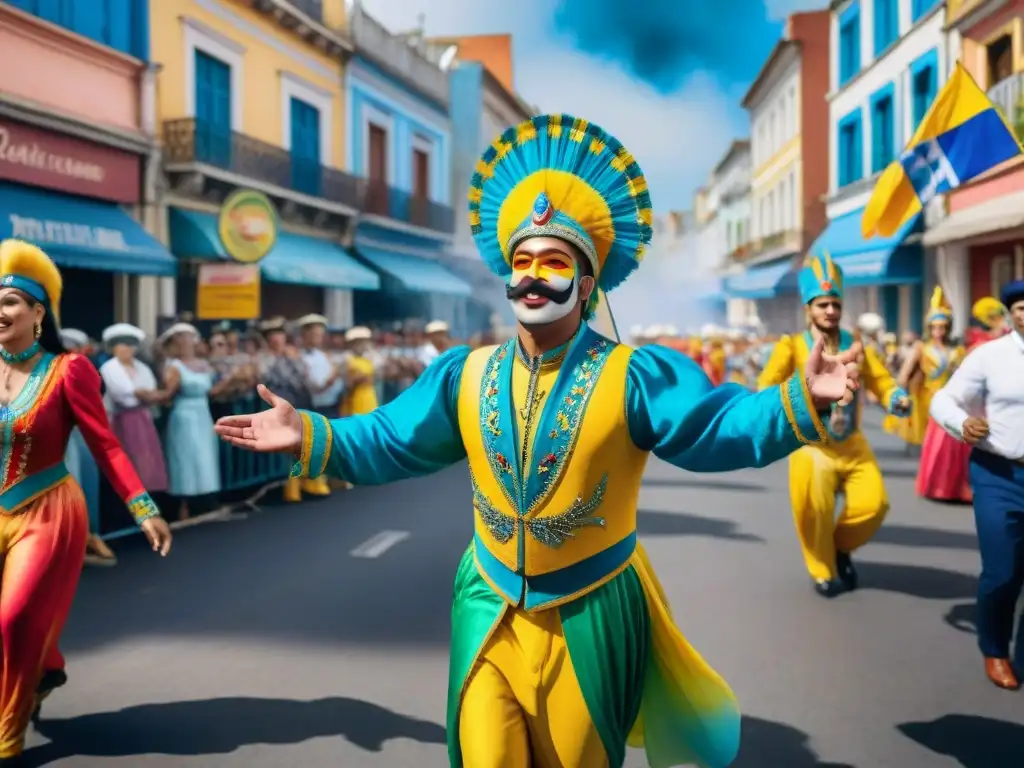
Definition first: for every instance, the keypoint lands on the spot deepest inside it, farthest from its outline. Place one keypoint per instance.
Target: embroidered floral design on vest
(568, 420)
(551, 531)
(490, 427)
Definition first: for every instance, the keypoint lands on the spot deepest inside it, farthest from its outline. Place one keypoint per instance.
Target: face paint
(544, 287)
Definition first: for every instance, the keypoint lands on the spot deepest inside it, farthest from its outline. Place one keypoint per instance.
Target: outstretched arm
(675, 412)
(879, 382)
(415, 434)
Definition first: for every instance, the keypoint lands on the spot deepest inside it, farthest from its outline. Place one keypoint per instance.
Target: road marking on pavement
(378, 544)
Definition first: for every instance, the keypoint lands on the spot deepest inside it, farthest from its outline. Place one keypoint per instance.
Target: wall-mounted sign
(228, 292)
(30, 155)
(247, 226)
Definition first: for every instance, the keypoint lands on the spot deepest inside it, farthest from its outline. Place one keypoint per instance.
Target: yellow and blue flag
(963, 135)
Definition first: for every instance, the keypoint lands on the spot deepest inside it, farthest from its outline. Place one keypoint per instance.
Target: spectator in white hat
(437, 342)
(360, 377)
(324, 381)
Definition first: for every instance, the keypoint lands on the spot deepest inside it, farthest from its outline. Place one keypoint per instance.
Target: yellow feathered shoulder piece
(939, 308)
(27, 267)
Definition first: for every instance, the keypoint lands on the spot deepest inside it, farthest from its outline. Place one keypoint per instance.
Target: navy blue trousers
(999, 515)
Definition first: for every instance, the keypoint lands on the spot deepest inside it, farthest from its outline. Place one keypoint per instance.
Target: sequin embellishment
(490, 427)
(143, 507)
(551, 531)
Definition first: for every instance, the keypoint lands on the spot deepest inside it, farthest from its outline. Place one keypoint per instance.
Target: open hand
(158, 533)
(278, 430)
(832, 378)
(974, 429)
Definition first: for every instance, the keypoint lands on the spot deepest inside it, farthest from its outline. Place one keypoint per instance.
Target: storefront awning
(710, 290)
(997, 215)
(875, 261)
(81, 233)
(764, 282)
(294, 259)
(416, 274)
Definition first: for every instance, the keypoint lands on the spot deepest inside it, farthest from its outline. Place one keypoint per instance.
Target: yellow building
(250, 96)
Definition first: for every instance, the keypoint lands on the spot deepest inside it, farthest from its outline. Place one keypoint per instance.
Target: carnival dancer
(846, 463)
(983, 405)
(993, 318)
(131, 394)
(360, 374)
(942, 472)
(562, 641)
(44, 394)
(84, 469)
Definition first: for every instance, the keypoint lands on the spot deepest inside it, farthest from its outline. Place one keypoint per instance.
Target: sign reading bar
(228, 292)
(30, 155)
(247, 226)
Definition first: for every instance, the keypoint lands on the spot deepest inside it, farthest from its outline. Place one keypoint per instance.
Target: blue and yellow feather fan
(560, 176)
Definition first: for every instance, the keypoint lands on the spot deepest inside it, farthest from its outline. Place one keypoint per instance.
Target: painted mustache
(539, 287)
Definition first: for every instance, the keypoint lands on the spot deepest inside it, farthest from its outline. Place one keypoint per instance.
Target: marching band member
(44, 393)
(845, 463)
(555, 600)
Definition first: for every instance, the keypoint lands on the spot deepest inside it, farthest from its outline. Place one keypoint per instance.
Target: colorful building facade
(400, 140)
(77, 170)
(252, 97)
(980, 241)
(889, 60)
(787, 106)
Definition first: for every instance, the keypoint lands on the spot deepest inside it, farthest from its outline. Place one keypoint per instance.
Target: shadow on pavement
(917, 580)
(653, 523)
(974, 741)
(764, 743)
(688, 481)
(963, 617)
(917, 536)
(221, 726)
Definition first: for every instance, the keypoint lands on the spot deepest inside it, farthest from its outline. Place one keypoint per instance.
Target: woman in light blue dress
(193, 458)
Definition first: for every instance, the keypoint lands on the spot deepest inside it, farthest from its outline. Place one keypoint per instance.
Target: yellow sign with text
(228, 292)
(247, 226)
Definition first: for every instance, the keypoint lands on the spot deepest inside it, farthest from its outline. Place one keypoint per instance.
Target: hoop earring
(39, 330)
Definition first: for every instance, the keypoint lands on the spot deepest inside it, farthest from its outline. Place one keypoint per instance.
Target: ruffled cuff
(143, 507)
(317, 439)
(800, 411)
(899, 394)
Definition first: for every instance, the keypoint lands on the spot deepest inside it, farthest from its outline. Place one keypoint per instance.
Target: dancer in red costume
(44, 393)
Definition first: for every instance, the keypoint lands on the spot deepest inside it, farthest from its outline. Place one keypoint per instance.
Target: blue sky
(664, 76)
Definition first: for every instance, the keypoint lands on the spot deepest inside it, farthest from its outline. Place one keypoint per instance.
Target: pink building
(76, 141)
(981, 242)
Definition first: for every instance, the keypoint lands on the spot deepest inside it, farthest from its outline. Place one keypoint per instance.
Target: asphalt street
(316, 635)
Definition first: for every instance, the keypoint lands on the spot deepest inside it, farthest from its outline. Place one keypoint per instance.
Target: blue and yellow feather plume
(561, 176)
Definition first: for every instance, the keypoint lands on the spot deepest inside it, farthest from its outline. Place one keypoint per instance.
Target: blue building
(400, 141)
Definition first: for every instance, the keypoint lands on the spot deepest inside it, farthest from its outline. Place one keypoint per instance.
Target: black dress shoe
(829, 588)
(847, 573)
(51, 681)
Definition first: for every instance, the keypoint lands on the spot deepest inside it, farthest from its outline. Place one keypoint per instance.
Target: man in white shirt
(325, 382)
(436, 343)
(983, 405)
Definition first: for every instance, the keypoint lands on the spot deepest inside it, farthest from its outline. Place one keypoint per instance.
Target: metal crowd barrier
(245, 477)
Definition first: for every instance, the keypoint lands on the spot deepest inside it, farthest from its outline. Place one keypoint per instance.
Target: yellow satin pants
(295, 487)
(522, 707)
(816, 475)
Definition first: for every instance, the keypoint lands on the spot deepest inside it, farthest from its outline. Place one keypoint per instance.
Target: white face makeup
(545, 283)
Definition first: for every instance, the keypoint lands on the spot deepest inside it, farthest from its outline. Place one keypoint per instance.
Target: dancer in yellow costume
(562, 643)
(817, 473)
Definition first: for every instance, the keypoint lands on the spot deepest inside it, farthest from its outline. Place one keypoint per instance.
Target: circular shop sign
(247, 225)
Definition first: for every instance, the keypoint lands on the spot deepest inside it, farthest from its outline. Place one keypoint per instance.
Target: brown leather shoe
(1001, 673)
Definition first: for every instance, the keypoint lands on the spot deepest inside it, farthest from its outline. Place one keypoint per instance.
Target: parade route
(316, 635)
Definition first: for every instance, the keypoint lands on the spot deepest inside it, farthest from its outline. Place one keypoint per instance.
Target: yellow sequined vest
(566, 524)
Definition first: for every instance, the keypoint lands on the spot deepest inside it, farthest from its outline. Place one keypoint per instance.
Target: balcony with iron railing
(394, 54)
(1008, 95)
(408, 208)
(189, 141)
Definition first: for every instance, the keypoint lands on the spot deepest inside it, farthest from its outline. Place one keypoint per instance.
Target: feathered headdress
(559, 176)
(27, 268)
(819, 277)
(988, 310)
(939, 308)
